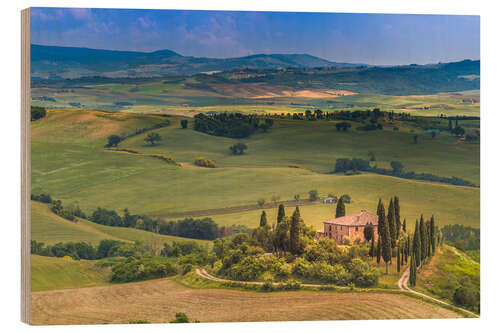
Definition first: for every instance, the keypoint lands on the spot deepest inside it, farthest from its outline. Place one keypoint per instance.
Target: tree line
(354, 165)
(231, 125)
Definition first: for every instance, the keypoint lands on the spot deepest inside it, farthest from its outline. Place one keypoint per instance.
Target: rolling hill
(57, 62)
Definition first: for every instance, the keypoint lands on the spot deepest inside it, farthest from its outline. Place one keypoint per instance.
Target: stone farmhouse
(351, 226)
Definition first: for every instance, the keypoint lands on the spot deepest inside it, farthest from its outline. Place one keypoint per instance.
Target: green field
(76, 168)
(49, 273)
(49, 228)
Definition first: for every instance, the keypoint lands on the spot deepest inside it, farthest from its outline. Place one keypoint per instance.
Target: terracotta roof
(359, 219)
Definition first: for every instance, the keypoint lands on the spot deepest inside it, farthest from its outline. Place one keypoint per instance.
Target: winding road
(403, 285)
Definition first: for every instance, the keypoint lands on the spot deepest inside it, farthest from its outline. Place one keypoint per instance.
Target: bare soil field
(157, 301)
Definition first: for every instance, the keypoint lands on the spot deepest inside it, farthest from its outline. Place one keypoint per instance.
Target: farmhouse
(351, 226)
(330, 200)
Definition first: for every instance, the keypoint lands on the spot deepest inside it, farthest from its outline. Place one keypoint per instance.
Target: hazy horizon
(372, 39)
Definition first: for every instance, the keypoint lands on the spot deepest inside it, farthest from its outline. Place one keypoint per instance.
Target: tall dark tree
(372, 248)
(263, 219)
(385, 237)
(294, 231)
(404, 225)
(417, 244)
(379, 251)
(184, 123)
(281, 213)
(340, 211)
(391, 221)
(399, 259)
(423, 239)
(413, 272)
(407, 252)
(368, 232)
(397, 214)
(450, 125)
(433, 235)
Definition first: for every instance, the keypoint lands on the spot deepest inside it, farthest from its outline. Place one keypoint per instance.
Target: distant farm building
(330, 200)
(351, 226)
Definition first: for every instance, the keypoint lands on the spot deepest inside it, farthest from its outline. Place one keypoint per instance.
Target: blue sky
(376, 39)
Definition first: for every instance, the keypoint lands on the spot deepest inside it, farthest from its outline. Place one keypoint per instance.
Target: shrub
(138, 269)
(186, 269)
(113, 140)
(301, 268)
(42, 197)
(238, 148)
(466, 297)
(203, 162)
(37, 112)
(363, 275)
(313, 195)
(168, 159)
(267, 286)
(180, 317)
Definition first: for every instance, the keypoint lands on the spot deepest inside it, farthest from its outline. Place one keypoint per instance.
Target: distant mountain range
(58, 62)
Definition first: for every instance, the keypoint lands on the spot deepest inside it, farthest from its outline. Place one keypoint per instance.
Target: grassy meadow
(69, 162)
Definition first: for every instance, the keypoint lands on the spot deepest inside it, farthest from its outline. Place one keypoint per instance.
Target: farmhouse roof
(360, 219)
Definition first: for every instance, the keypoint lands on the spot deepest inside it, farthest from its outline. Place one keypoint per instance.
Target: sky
(375, 39)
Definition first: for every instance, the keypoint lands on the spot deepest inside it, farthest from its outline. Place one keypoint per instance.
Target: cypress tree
(417, 244)
(379, 251)
(433, 235)
(404, 225)
(407, 250)
(385, 237)
(397, 213)
(340, 211)
(423, 239)
(372, 247)
(263, 219)
(413, 272)
(399, 259)
(281, 213)
(294, 231)
(392, 223)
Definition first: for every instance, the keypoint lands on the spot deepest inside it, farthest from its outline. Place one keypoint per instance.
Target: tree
(152, 138)
(385, 236)
(397, 167)
(261, 202)
(417, 245)
(391, 223)
(415, 139)
(263, 219)
(413, 272)
(238, 148)
(450, 125)
(343, 126)
(281, 213)
(368, 232)
(372, 247)
(184, 123)
(399, 259)
(113, 140)
(37, 112)
(294, 231)
(296, 197)
(423, 239)
(340, 211)
(433, 235)
(379, 251)
(397, 214)
(404, 225)
(313, 195)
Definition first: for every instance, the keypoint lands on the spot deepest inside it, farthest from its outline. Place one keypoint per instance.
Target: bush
(113, 140)
(45, 198)
(267, 286)
(203, 162)
(238, 148)
(301, 268)
(466, 297)
(363, 275)
(168, 159)
(180, 317)
(313, 195)
(138, 269)
(37, 112)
